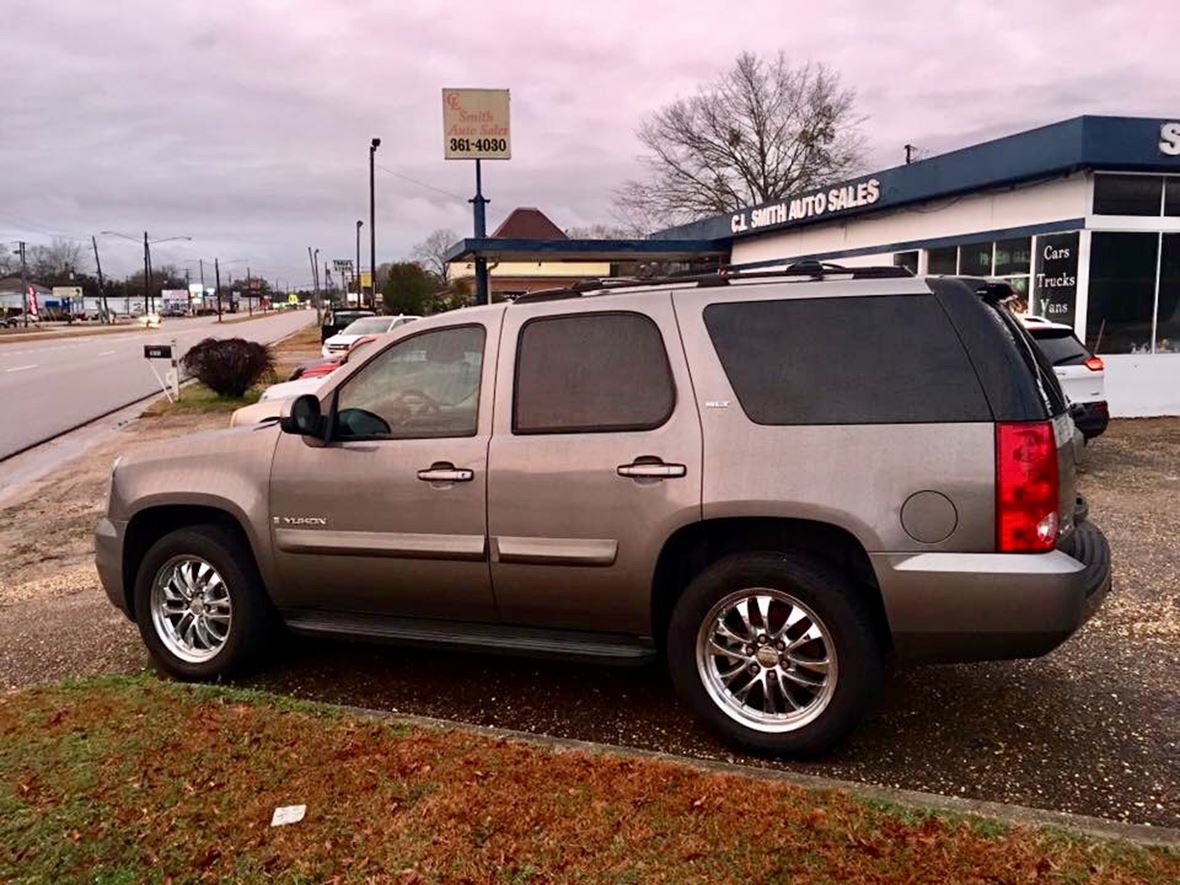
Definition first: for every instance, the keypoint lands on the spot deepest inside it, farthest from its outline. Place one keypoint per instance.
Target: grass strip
(131, 779)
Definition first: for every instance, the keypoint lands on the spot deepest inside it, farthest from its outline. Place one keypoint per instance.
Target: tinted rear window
(888, 359)
(591, 372)
(1060, 346)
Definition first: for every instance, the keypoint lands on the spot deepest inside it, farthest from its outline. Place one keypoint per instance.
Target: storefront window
(908, 260)
(1013, 256)
(1172, 196)
(1055, 277)
(1167, 333)
(1122, 292)
(1127, 194)
(975, 260)
(942, 261)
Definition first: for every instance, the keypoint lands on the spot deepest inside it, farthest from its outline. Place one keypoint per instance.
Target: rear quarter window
(1061, 347)
(886, 359)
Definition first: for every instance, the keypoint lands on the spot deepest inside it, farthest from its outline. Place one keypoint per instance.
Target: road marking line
(106, 353)
(21, 368)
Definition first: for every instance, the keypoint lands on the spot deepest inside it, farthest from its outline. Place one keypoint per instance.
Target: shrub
(229, 366)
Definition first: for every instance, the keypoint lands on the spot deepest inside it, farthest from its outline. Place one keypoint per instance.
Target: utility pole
(189, 290)
(249, 293)
(24, 283)
(217, 277)
(201, 263)
(373, 145)
(147, 275)
(102, 289)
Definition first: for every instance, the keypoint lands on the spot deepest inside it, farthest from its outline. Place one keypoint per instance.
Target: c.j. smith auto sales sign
(811, 205)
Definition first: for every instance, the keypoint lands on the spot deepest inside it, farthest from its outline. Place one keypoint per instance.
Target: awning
(509, 249)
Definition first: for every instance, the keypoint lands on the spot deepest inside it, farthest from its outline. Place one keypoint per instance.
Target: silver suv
(776, 480)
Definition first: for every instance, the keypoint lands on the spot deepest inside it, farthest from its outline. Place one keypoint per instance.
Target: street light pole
(24, 284)
(356, 274)
(373, 145)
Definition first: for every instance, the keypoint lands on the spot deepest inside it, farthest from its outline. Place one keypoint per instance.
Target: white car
(270, 404)
(1082, 375)
(344, 339)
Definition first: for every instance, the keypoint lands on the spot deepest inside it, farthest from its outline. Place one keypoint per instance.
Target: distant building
(11, 296)
(509, 278)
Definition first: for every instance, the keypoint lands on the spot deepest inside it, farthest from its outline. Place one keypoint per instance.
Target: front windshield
(368, 326)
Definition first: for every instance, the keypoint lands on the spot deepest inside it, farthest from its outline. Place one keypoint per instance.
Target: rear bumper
(1093, 419)
(986, 606)
(108, 559)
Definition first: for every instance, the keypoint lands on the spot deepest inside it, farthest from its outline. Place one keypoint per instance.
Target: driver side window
(424, 386)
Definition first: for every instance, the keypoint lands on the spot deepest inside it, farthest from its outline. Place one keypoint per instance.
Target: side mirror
(304, 417)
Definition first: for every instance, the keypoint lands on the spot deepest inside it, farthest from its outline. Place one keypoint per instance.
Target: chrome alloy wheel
(766, 660)
(191, 608)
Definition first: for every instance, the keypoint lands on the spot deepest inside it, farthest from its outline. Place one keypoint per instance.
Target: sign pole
(481, 231)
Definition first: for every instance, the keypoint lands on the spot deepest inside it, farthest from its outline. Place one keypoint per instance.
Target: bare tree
(761, 131)
(58, 261)
(431, 252)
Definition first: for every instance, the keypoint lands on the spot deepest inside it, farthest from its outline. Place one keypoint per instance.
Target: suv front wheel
(199, 603)
(775, 652)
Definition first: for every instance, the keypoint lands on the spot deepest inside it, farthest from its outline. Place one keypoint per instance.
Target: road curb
(1015, 815)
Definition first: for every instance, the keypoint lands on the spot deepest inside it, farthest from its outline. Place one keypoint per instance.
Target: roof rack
(814, 269)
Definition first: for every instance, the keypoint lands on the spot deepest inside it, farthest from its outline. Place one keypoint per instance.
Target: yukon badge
(300, 520)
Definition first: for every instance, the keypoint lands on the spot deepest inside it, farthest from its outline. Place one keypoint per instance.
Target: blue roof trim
(1003, 233)
(583, 249)
(1125, 143)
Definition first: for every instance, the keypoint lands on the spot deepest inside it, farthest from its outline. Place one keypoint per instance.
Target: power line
(412, 180)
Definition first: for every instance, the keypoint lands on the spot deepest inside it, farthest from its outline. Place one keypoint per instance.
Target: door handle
(446, 472)
(652, 470)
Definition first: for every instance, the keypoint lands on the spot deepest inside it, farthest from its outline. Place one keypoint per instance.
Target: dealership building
(1082, 217)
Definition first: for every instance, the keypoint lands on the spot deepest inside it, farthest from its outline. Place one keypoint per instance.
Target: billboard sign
(67, 292)
(475, 124)
(342, 264)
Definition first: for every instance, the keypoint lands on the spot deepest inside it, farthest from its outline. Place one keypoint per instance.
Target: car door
(389, 516)
(595, 460)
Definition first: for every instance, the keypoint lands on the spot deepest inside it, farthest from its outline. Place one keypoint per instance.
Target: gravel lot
(1093, 728)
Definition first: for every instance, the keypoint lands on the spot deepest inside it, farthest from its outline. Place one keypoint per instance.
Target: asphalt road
(51, 385)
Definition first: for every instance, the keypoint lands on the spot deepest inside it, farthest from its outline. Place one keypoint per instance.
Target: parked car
(270, 404)
(338, 318)
(328, 364)
(357, 329)
(757, 476)
(1082, 375)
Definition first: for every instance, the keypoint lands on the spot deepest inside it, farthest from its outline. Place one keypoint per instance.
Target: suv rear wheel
(776, 652)
(199, 603)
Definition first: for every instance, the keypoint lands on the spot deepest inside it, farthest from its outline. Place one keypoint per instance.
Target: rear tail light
(1027, 487)
(1094, 363)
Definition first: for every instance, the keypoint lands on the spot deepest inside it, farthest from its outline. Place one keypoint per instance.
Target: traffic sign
(342, 264)
(157, 351)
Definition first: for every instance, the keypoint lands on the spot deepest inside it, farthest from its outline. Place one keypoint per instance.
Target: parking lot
(1092, 728)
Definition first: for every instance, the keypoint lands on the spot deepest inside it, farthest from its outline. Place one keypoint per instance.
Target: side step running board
(602, 648)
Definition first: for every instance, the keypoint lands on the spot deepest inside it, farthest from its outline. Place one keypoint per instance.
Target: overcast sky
(245, 124)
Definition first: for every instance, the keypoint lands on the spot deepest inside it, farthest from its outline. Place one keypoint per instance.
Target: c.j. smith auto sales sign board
(475, 124)
(810, 205)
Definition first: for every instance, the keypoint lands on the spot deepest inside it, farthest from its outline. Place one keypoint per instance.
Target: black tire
(252, 622)
(833, 599)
